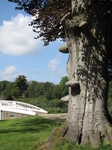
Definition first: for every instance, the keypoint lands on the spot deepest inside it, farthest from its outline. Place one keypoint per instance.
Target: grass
(25, 133)
(72, 146)
(28, 133)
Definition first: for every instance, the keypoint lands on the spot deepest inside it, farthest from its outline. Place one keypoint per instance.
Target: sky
(21, 54)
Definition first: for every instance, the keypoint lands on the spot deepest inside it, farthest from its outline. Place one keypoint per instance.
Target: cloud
(35, 70)
(53, 65)
(9, 73)
(17, 37)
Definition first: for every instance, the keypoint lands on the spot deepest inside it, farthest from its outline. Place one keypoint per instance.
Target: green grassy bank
(25, 133)
(28, 133)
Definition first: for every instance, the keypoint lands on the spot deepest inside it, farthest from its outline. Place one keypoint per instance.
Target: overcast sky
(20, 53)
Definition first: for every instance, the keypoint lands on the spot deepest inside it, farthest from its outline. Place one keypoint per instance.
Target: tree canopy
(49, 13)
(20, 85)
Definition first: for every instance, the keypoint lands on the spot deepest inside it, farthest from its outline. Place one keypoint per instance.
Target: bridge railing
(20, 106)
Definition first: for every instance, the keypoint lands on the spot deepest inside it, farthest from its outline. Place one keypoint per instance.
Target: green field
(28, 133)
(25, 133)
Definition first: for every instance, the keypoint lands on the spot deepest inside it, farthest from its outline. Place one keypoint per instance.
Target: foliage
(36, 94)
(7, 95)
(47, 15)
(57, 106)
(7, 90)
(15, 91)
(34, 89)
(47, 89)
(45, 95)
(110, 97)
(5, 87)
(52, 106)
(20, 84)
(63, 87)
(57, 92)
(41, 101)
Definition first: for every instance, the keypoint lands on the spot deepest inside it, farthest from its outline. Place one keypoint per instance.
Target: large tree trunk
(88, 118)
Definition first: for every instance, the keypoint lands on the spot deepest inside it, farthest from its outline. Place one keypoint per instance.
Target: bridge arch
(15, 107)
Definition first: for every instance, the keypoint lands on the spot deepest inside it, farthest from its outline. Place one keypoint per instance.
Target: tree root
(94, 139)
(57, 135)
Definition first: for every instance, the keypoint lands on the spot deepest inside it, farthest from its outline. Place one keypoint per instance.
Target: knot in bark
(76, 22)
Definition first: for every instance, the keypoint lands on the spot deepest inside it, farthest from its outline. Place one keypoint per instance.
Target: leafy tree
(86, 24)
(40, 88)
(20, 85)
(64, 88)
(7, 95)
(32, 89)
(48, 13)
(56, 93)
(7, 92)
(57, 106)
(36, 89)
(15, 91)
(42, 101)
(110, 97)
(4, 85)
(47, 89)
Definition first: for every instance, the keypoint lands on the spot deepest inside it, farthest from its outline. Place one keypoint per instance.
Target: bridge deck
(20, 107)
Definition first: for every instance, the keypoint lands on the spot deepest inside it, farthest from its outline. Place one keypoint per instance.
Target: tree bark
(88, 119)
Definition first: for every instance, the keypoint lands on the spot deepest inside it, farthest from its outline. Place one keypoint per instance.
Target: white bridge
(20, 107)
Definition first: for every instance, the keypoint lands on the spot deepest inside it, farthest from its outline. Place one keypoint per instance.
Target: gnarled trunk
(88, 118)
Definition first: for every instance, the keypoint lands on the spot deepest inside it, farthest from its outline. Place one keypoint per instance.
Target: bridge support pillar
(10, 115)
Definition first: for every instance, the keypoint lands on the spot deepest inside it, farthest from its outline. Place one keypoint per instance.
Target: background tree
(3, 86)
(7, 90)
(47, 89)
(110, 97)
(64, 88)
(15, 91)
(20, 84)
(56, 93)
(32, 90)
(86, 24)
